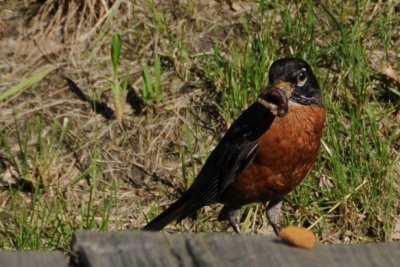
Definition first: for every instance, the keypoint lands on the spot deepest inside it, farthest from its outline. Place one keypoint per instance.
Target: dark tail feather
(167, 216)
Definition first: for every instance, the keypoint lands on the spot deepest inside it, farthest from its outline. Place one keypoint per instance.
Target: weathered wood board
(121, 249)
(32, 259)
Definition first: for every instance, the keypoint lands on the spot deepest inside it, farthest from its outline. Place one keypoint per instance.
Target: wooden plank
(121, 249)
(32, 259)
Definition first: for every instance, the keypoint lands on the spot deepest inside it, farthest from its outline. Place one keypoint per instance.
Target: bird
(264, 155)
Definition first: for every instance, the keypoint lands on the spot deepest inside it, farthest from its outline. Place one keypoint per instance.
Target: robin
(264, 155)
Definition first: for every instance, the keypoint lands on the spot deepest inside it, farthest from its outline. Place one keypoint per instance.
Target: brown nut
(298, 237)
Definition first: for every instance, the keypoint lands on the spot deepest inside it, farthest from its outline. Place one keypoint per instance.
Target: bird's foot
(230, 214)
(273, 214)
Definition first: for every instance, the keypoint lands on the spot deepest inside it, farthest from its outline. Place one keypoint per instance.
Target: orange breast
(286, 155)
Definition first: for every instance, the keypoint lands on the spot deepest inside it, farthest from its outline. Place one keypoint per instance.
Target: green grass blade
(157, 77)
(25, 84)
(148, 91)
(115, 52)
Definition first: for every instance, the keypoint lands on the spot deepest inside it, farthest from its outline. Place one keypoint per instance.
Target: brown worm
(282, 101)
(277, 97)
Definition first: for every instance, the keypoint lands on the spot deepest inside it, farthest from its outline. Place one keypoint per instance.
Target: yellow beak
(284, 86)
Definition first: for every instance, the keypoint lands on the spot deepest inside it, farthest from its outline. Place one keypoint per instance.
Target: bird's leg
(230, 214)
(273, 213)
(233, 220)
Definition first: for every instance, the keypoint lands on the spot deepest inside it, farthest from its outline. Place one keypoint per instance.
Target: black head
(298, 73)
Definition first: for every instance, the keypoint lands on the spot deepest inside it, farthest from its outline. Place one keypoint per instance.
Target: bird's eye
(301, 78)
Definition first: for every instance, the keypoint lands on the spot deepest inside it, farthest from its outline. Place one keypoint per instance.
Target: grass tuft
(118, 89)
(151, 88)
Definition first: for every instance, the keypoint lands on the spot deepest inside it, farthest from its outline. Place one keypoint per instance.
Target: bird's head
(291, 81)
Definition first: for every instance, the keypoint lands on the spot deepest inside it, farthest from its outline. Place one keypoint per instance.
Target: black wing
(236, 150)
